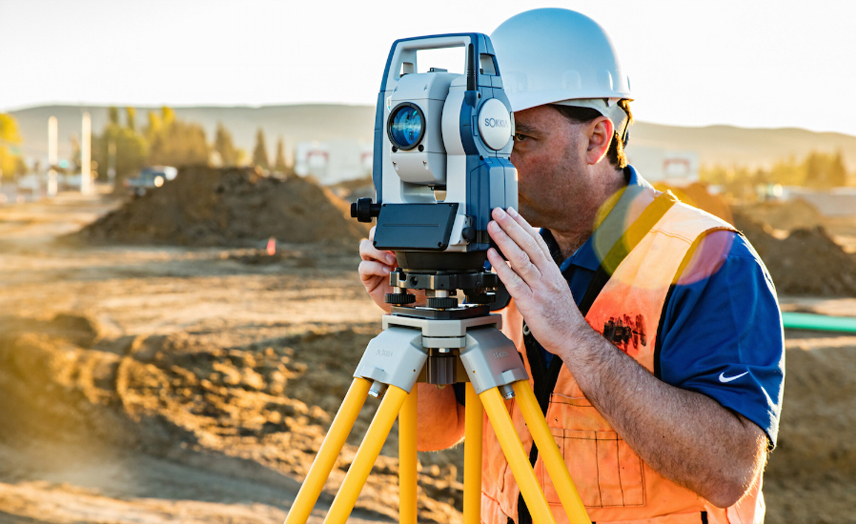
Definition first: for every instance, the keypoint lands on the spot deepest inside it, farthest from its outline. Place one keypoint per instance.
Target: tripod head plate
(442, 328)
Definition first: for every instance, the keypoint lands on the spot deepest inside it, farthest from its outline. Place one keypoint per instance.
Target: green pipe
(818, 322)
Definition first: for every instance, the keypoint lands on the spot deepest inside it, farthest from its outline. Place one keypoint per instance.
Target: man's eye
(519, 138)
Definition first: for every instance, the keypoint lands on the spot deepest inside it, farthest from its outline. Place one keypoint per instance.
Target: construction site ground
(153, 384)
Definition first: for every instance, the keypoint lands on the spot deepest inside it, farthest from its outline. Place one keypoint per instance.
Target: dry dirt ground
(167, 384)
(171, 384)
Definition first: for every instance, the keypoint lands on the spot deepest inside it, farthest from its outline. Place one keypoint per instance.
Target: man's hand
(540, 292)
(686, 436)
(374, 272)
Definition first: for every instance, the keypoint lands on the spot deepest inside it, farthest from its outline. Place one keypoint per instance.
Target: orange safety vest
(615, 484)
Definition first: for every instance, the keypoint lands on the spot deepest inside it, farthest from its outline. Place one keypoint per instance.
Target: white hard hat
(553, 55)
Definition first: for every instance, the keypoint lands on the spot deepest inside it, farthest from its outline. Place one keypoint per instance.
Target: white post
(111, 163)
(52, 156)
(86, 155)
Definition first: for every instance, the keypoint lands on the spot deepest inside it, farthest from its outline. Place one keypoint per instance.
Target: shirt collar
(632, 199)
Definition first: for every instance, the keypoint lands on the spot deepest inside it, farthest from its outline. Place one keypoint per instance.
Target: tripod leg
(366, 456)
(516, 456)
(330, 449)
(473, 434)
(407, 460)
(549, 452)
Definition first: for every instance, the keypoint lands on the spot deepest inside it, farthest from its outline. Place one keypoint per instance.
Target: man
(650, 329)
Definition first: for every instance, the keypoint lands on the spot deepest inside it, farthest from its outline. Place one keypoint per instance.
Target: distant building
(333, 161)
(663, 165)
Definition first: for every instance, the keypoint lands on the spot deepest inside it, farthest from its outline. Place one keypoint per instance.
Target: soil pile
(806, 262)
(270, 403)
(811, 473)
(801, 214)
(205, 206)
(795, 214)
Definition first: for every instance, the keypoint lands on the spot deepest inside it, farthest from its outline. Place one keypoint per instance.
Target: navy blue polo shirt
(722, 332)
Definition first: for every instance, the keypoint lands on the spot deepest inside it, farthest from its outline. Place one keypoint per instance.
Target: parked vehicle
(149, 178)
(69, 181)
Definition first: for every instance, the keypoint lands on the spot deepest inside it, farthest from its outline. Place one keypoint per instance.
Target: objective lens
(406, 126)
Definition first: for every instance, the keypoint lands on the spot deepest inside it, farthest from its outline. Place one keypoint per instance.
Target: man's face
(549, 154)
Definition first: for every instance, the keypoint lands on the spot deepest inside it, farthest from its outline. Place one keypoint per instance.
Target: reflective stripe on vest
(614, 483)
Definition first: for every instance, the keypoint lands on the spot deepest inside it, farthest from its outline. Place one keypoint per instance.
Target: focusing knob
(399, 299)
(442, 302)
(364, 210)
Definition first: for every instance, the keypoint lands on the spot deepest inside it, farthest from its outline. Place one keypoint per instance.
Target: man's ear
(600, 132)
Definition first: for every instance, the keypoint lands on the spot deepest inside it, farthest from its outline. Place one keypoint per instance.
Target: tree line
(818, 170)
(163, 140)
(167, 140)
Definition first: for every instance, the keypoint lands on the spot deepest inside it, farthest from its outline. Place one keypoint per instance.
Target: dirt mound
(271, 401)
(274, 402)
(268, 402)
(228, 207)
(820, 392)
(795, 214)
(811, 473)
(806, 262)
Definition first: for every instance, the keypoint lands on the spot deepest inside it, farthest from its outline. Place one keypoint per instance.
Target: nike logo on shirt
(723, 378)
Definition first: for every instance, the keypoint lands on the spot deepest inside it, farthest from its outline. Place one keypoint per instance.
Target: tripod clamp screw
(378, 389)
(506, 391)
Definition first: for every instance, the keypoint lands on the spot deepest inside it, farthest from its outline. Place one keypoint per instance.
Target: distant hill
(295, 123)
(754, 147)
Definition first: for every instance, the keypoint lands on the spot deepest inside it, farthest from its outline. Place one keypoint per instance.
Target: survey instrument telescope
(442, 143)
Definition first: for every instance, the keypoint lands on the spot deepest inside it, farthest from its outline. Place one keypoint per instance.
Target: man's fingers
(521, 258)
(369, 269)
(521, 233)
(535, 233)
(369, 252)
(515, 285)
(518, 258)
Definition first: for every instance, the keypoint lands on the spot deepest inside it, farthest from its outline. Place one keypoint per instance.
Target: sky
(693, 63)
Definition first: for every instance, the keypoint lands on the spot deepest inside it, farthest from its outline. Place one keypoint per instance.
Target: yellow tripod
(435, 350)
